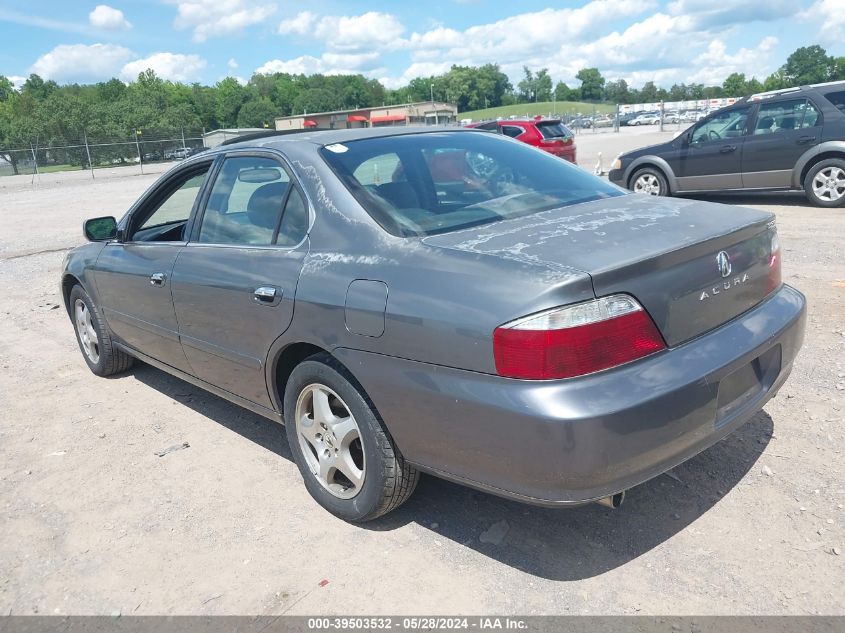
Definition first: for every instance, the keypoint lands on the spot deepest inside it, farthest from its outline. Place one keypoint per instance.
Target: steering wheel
(714, 135)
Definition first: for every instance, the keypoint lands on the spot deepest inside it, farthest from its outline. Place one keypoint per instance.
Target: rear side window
(837, 99)
(245, 205)
(512, 130)
(785, 116)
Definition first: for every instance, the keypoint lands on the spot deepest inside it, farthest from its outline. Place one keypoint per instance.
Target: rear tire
(93, 336)
(825, 183)
(650, 181)
(347, 459)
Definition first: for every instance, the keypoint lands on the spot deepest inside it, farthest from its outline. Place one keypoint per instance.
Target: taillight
(576, 340)
(775, 276)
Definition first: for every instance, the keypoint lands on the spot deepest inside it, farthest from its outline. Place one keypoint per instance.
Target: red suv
(548, 134)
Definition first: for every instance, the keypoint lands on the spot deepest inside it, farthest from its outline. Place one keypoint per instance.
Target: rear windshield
(837, 99)
(423, 184)
(554, 129)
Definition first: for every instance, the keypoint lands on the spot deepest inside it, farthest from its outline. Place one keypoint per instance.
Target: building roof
(437, 104)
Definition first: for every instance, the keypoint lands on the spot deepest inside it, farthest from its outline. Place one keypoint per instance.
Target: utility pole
(431, 86)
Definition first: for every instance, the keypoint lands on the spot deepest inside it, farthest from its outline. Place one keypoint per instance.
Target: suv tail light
(775, 276)
(576, 340)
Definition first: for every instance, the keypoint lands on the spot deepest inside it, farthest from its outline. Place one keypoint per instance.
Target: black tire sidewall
(103, 338)
(664, 185)
(808, 183)
(367, 501)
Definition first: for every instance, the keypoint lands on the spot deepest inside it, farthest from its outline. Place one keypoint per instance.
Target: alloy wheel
(648, 184)
(86, 332)
(829, 184)
(330, 441)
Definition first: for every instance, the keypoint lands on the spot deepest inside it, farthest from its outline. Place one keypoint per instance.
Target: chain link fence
(137, 148)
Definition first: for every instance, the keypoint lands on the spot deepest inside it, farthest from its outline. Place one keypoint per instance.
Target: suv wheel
(94, 337)
(649, 181)
(825, 183)
(349, 463)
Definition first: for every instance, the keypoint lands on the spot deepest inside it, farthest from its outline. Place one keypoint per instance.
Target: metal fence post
(88, 152)
(616, 120)
(184, 147)
(35, 162)
(138, 147)
(662, 112)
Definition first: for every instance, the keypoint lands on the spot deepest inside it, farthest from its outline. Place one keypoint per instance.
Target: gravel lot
(91, 521)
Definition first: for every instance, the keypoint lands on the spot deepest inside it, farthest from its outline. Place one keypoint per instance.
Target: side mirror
(100, 229)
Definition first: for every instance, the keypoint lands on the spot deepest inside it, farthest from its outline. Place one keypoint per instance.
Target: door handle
(265, 294)
(727, 149)
(157, 279)
(803, 140)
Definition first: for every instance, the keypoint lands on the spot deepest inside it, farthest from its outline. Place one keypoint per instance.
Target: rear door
(234, 282)
(711, 159)
(782, 132)
(133, 276)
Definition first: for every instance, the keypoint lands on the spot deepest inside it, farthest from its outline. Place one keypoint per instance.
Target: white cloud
(369, 31)
(17, 81)
(172, 66)
(80, 62)
(327, 64)
(108, 18)
(829, 17)
(300, 24)
(232, 63)
(215, 18)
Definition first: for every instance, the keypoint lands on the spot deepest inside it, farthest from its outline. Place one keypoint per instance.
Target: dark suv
(786, 139)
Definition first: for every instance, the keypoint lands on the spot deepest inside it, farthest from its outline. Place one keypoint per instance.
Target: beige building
(422, 113)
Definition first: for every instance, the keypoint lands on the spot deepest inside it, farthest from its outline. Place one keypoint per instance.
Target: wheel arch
(810, 158)
(69, 280)
(655, 162)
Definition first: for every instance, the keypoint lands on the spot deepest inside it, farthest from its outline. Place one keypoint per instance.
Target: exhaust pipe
(613, 501)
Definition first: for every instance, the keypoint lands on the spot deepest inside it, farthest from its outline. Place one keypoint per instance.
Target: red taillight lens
(576, 340)
(775, 276)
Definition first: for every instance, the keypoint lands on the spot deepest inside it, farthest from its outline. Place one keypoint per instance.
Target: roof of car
(330, 137)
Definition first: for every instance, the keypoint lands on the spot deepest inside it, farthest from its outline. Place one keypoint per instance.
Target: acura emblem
(724, 263)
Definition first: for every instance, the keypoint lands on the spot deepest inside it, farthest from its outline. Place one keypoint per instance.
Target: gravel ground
(91, 521)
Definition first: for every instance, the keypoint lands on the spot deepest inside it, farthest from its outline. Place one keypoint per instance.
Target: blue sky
(206, 40)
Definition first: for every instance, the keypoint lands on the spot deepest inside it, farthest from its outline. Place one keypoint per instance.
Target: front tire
(348, 461)
(825, 183)
(94, 337)
(649, 181)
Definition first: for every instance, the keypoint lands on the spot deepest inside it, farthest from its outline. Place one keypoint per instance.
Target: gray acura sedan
(445, 301)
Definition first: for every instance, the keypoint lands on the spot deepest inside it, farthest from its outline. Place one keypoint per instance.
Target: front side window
(727, 124)
(245, 205)
(437, 182)
(785, 116)
(166, 220)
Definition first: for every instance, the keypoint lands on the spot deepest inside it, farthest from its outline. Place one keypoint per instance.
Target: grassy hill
(543, 108)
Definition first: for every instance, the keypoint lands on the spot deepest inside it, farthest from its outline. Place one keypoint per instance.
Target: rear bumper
(573, 441)
(567, 152)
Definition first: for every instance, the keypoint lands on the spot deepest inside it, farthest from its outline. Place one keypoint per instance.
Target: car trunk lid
(661, 251)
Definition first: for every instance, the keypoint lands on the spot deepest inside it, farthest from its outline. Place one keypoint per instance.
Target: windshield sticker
(337, 148)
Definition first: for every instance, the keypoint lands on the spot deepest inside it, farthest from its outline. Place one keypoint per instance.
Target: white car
(646, 119)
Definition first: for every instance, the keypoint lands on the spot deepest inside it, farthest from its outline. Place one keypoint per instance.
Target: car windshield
(423, 184)
(553, 129)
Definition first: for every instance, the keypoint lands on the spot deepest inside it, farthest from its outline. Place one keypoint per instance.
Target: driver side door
(712, 156)
(133, 274)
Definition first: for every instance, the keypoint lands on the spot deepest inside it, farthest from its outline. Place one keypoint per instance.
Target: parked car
(549, 135)
(603, 121)
(581, 121)
(789, 139)
(445, 301)
(671, 117)
(646, 119)
(625, 119)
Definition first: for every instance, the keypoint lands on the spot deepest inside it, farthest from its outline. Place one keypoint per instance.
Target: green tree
(808, 65)
(592, 84)
(527, 87)
(735, 85)
(542, 85)
(230, 96)
(617, 91)
(6, 88)
(259, 112)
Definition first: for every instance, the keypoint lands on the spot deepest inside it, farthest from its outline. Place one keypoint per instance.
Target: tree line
(47, 113)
